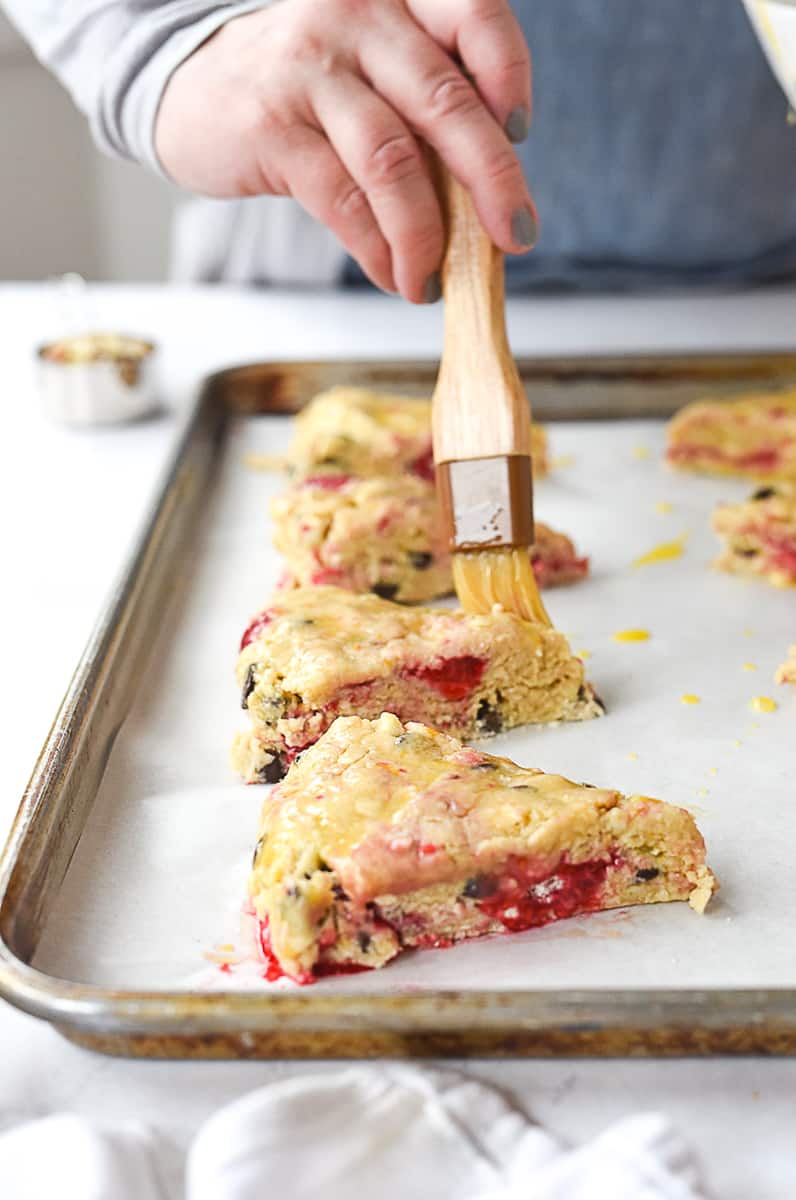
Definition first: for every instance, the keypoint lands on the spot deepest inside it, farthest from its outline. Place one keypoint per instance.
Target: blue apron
(660, 152)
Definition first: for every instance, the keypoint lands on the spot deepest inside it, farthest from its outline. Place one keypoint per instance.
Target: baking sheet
(155, 886)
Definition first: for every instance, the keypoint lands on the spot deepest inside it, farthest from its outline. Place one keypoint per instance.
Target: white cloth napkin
(65, 1157)
(366, 1133)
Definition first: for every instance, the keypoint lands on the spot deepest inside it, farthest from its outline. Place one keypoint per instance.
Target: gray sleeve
(115, 57)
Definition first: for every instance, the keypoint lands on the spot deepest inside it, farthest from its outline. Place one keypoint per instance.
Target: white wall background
(63, 205)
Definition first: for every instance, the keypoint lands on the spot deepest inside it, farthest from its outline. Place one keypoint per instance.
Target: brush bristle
(504, 576)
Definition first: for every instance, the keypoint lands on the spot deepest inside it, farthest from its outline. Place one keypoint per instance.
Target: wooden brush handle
(480, 406)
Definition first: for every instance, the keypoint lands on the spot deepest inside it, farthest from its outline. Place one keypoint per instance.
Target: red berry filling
(273, 969)
(521, 900)
(327, 575)
(781, 554)
(423, 465)
(453, 678)
(766, 459)
(518, 900)
(256, 627)
(329, 483)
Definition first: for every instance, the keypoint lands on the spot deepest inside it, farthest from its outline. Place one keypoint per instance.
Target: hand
(328, 102)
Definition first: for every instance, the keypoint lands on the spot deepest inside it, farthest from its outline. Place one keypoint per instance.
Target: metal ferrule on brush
(487, 502)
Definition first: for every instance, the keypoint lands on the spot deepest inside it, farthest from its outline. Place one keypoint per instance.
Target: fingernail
(517, 124)
(432, 288)
(524, 228)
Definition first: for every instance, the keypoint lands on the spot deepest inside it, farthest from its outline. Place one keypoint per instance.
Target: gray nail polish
(523, 228)
(517, 124)
(432, 288)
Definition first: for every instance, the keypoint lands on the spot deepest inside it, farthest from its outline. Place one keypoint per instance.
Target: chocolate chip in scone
(273, 771)
(488, 718)
(764, 493)
(339, 892)
(387, 591)
(479, 887)
(587, 693)
(421, 560)
(645, 874)
(747, 551)
(364, 939)
(249, 685)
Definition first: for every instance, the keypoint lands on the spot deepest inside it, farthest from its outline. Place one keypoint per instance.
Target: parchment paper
(158, 878)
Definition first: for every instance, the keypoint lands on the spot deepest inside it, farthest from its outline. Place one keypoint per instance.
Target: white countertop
(71, 503)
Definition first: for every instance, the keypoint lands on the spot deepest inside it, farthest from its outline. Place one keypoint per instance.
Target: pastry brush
(481, 422)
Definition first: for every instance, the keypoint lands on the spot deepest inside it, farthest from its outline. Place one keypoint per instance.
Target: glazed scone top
(367, 432)
(735, 426)
(316, 639)
(391, 808)
(346, 415)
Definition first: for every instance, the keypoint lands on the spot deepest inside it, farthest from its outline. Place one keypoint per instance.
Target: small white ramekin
(117, 384)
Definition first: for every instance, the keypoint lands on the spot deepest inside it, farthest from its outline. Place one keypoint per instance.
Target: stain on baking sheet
(605, 926)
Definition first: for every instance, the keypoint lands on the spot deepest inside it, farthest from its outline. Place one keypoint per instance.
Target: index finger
(423, 84)
(487, 38)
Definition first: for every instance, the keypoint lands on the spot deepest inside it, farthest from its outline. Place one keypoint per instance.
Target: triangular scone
(759, 535)
(787, 672)
(753, 437)
(317, 653)
(355, 431)
(388, 836)
(387, 535)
